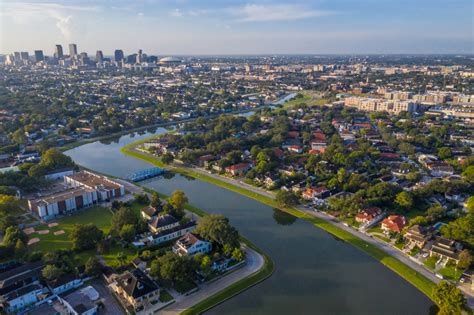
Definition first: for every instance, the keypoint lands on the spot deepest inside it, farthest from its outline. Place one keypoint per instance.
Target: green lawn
(49, 242)
(415, 278)
(451, 273)
(165, 296)
(383, 238)
(309, 98)
(430, 262)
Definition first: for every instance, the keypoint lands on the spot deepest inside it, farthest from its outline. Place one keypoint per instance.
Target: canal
(315, 272)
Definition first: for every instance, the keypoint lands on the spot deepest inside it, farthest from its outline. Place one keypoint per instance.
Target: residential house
(162, 223)
(64, 283)
(368, 215)
(167, 235)
(238, 169)
(394, 223)
(149, 213)
(446, 249)
(191, 244)
(18, 299)
(312, 193)
(20, 276)
(81, 302)
(418, 236)
(440, 168)
(135, 288)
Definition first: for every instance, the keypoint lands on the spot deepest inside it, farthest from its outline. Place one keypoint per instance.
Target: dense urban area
(380, 147)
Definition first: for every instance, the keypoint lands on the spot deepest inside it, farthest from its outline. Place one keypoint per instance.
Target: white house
(191, 244)
(22, 297)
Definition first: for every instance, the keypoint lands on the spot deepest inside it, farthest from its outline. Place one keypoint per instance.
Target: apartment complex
(369, 104)
(82, 190)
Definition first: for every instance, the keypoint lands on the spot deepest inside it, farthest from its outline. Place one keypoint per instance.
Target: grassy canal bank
(415, 278)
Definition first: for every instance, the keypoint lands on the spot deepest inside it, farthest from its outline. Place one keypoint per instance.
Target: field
(308, 97)
(49, 242)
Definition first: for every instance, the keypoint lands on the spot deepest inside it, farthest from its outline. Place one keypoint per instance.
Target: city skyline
(238, 28)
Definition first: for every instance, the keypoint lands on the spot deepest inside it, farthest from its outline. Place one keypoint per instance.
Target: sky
(219, 27)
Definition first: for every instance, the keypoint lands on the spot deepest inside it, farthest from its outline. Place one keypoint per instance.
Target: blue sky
(240, 27)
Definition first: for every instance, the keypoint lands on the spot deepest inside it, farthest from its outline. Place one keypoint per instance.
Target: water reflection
(283, 218)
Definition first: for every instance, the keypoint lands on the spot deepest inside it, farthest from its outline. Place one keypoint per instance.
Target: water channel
(315, 272)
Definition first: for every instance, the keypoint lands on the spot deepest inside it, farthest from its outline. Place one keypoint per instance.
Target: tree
(156, 201)
(6, 221)
(468, 174)
(227, 250)
(286, 198)
(85, 236)
(206, 265)
(123, 216)
(173, 268)
(216, 228)
(178, 199)
(404, 200)
(127, 233)
(238, 254)
(461, 229)
(19, 136)
(20, 248)
(435, 212)
(167, 158)
(445, 153)
(12, 235)
(92, 267)
(470, 204)
(449, 298)
(465, 259)
(51, 272)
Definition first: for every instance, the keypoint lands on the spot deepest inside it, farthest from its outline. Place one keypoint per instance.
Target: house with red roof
(368, 215)
(237, 169)
(394, 223)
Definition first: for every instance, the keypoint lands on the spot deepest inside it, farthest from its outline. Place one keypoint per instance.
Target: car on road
(425, 255)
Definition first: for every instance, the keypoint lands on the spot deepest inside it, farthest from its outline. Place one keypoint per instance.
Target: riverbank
(414, 277)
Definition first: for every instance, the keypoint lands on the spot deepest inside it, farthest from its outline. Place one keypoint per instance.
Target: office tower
(59, 52)
(17, 56)
(24, 56)
(118, 55)
(99, 56)
(72, 50)
(39, 56)
(140, 56)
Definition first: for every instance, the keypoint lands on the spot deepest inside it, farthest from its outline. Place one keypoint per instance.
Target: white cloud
(276, 12)
(62, 15)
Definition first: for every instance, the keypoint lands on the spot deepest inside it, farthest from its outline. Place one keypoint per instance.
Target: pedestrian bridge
(145, 174)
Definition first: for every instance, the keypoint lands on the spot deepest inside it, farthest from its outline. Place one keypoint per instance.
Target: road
(255, 261)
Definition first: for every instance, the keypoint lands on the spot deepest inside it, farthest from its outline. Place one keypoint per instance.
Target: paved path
(255, 261)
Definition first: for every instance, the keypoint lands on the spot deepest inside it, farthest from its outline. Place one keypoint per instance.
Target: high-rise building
(39, 56)
(72, 50)
(118, 55)
(58, 53)
(99, 56)
(140, 56)
(17, 56)
(24, 56)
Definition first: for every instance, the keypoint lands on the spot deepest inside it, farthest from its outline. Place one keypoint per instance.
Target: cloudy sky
(239, 27)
